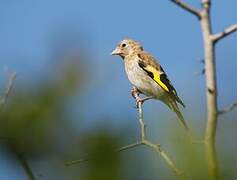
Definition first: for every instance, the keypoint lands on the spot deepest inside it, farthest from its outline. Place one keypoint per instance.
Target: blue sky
(29, 29)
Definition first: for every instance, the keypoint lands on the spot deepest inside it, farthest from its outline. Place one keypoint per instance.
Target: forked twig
(228, 109)
(143, 141)
(188, 8)
(231, 29)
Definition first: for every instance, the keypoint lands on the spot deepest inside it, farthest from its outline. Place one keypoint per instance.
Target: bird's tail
(173, 106)
(180, 116)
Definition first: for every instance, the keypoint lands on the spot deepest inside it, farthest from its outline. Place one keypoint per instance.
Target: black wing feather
(164, 79)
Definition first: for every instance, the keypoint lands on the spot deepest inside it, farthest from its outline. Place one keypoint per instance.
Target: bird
(147, 76)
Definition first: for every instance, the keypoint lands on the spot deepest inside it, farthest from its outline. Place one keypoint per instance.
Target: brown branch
(231, 29)
(228, 109)
(187, 8)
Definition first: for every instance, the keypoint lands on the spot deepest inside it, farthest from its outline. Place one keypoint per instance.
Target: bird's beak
(115, 52)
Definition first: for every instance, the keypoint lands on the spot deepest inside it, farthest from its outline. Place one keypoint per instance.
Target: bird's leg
(142, 100)
(135, 94)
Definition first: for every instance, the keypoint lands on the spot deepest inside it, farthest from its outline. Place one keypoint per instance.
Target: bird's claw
(135, 92)
(139, 100)
(142, 100)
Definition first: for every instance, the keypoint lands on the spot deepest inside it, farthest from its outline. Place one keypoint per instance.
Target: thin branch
(130, 146)
(8, 89)
(25, 166)
(167, 159)
(135, 94)
(187, 8)
(157, 148)
(231, 29)
(19, 156)
(69, 163)
(228, 109)
(143, 141)
(10, 142)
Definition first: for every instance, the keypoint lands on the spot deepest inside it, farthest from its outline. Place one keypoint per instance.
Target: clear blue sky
(28, 29)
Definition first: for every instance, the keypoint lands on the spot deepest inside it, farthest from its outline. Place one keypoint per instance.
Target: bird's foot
(135, 92)
(142, 100)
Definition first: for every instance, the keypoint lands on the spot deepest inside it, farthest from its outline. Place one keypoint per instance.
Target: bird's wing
(156, 72)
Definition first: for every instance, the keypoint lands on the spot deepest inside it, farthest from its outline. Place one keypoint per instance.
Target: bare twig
(187, 8)
(19, 156)
(78, 161)
(130, 146)
(10, 142)
(231, 29)
(227, 109)
(167, 159)
(143, 141)
(69, 163)
(8, 89)
(211, 86)
(25, 166)
(135, 95)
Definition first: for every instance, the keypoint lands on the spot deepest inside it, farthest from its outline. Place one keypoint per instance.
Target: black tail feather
(181, 118)
(173, 106)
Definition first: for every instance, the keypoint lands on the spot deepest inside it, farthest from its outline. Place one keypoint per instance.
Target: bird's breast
(139, 78)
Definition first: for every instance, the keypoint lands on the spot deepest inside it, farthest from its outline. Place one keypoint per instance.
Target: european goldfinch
(147, 75)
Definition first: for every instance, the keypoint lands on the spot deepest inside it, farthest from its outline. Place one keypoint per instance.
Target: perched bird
(147, 75)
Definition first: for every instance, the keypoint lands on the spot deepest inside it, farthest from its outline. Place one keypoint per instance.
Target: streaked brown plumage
(147, 75)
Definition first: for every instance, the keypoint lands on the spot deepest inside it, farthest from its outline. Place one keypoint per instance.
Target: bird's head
(127, 47)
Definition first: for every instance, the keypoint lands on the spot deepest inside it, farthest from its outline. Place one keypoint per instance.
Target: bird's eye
(124, 45)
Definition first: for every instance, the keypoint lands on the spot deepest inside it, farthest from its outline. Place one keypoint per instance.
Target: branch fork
(229, 30)
(188, 8)
(228, 109)
(209, 41)
(143, 138)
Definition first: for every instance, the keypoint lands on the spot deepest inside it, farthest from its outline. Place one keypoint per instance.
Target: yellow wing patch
(156, 76)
